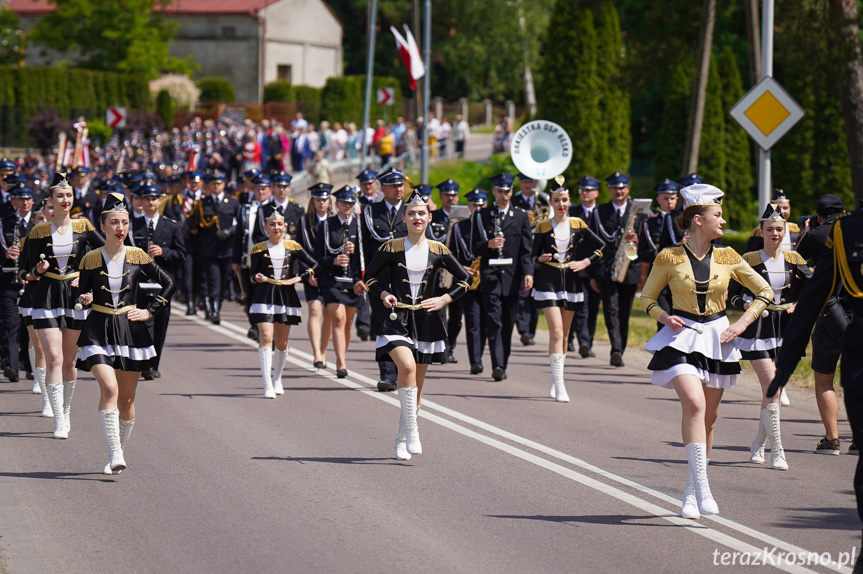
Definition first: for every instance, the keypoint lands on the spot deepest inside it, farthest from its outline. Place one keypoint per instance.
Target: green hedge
(303, 93)
(342, 99)
(216, 90)
(72, 92)
(278, 91)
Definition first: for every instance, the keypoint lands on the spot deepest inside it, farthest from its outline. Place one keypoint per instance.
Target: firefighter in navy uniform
(381, 222)
(213, 226)
(369, 193)
(190, 271)
(85, 195)
(285, 205)
(617, 297)
(671, 235)
(652, 231)
(536, 205)
(840, 262)
(503, 239)
(440, 225)
(471, 302)
(584, 320)
(161, 238)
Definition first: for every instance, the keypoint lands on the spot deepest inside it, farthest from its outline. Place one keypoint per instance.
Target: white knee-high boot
(39, 375)
(552, 390)
(278, 366)
(412, 432)
(558, 361)
(55, 395)
(111, 428)
(68, 391)
(783, 399)
(401, 438)
(31, 352)
(756, 453)
(125, 432)
(696, 455)
(770, 420)
(690, 503)
(265, 359)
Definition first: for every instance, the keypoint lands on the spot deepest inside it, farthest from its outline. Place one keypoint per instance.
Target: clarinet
(498, 232)
(16, 241)
(150, 229)
(346, 268)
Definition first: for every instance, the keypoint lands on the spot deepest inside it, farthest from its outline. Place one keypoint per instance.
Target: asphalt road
(222, 480)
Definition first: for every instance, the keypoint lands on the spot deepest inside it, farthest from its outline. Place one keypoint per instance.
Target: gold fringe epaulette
(726, 256)
(753, 258)
(137, 256)
(262, 246)
(793, 227)
(291, 245)
(93, 259)
(543, 226)
(670, 256)
(794, 258)
(438, 248)
(40, 231)
(82, 226)
(577, 223)
(756, 232)
(393, 245)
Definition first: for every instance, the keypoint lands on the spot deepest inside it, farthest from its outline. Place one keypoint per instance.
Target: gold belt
(408, 307)
(279, 282)
(556, 264)
(782, 307)
(111, 311)
(61, 277)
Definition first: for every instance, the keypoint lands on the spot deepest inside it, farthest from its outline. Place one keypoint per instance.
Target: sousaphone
(541, 150)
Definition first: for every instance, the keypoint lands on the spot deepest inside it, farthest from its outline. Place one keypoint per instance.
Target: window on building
(284, 72)
(229, 32)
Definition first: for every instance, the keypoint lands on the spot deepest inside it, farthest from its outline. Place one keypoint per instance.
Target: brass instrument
(627, 251)
(457, 213)
(476, 279)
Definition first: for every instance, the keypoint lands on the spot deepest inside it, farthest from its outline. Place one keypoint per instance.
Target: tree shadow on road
(508, 397)
(28, 434)
(90, 476)
(333, 460)
(839, 518)
(215, 395)
(610, 519)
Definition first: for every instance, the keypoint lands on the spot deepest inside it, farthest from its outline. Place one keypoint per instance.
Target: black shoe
(253, 334)
(853, 449)
(10, 374)
(363, 334)
(28, 375)
(498, 374)
(147, 375)
(190, 309)
(616, 360)
(450, 358)
(157, 374)
(525, 339)
(585, 351)
(215, 319)
(530, 341)
(570, 347)
(319, 365)
(475, 369)
(341, 373)
(386, 386)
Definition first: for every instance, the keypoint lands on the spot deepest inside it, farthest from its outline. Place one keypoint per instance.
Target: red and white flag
(410, 55)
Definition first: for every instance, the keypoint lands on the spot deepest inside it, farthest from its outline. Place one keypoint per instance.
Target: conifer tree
(739, 183)
(671, 144)
(711, 161)
(614, 139)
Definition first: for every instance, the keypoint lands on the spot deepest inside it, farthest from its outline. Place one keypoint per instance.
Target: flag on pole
(410, 55)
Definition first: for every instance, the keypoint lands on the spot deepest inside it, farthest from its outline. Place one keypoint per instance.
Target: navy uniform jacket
(328, 245)
(541, 207)
(649, 236)
(291, 211)
(378, 226)
(7, 280)
(609, 227)
(248, 234)
(812, 243)
(503, 280)
(460, 243)
(167, 235)
(670, 235)
(213, 226)
(439, 225)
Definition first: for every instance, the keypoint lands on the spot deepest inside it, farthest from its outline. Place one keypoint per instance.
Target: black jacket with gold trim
(796, 273)
(294, 253)
(84, 238)
(756, 242)
(138, 268)
(550, 276)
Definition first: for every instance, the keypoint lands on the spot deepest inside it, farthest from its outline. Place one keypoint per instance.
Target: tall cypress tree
(739, 183)
(570, 92)
(615, 137)
(671, 144)
(712, 161)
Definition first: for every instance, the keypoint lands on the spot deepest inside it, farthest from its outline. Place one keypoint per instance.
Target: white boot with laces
(696, 456)
(265, 359)
(756, 453)
(558, 360)
(777, 453)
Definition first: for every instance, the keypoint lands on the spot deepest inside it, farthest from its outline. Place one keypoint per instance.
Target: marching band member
(250, 232)
(55, 249)
(793, 232)
(369, 193)
(653, 229)
(584, 319)
(339, 255)
(471, 302)
(759, 344)
(440, 224)
(275, 305)
(537, 206)
(320, 209)
(115, 344)
(695, 353)
(557, 288)
(412, 334)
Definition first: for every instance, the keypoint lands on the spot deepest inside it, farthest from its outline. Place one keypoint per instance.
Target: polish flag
(410, 55)
(85, 153)
(193, 158)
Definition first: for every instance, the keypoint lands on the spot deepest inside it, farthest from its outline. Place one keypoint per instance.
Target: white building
(249, 42)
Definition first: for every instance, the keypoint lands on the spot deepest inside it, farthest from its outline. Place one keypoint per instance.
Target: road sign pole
(764, 168)
(424, 161)
(370, 70)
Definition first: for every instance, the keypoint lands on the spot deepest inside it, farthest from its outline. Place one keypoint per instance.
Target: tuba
(541, 150)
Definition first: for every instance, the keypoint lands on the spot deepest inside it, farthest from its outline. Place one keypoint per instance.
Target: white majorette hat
(701, 194)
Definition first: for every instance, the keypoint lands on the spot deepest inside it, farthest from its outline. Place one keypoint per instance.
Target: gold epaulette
(793, 227)
(40, 231)
(670, 256)
(726, 256)
(756, 232)
(543, 226)
(393, 245)
(291, 245)
(753, 258)
(82, 226)
(577, 223)
(93, 260)
(258, 247)
(794, 258)
(137, 256)
(439, 248)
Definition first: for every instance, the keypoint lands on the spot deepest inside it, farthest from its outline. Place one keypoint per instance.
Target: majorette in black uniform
(411, 274)
(471, 302)
(290, 209)
(54, 298)
(108, 337)
(584, 320)
(554, 284)
(792, 234)
(763, 338)
(308, 236)
(332, 235)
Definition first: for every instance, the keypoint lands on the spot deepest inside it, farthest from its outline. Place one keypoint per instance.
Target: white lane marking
(239, 334)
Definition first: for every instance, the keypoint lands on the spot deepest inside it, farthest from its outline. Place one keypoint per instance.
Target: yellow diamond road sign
(767, 112)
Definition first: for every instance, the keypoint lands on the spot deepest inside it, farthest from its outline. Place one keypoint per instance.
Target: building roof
(37, 7)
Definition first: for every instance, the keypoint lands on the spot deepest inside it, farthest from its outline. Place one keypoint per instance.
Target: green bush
(304, 93)
(99, 132)
(165, 107)
(342, 99)
(215, 90)
(278, 91)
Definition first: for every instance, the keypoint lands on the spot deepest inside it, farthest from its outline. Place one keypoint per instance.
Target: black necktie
(22, 227)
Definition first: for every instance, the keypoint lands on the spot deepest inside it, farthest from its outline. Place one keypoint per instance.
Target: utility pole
(764, 166)
(370, 72)
(529, 93)
(424, 164)
(699, 92)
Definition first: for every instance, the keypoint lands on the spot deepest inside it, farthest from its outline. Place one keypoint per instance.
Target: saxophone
(627, 251)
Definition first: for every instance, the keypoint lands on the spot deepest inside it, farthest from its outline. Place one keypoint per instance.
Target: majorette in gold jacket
(672, 268)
